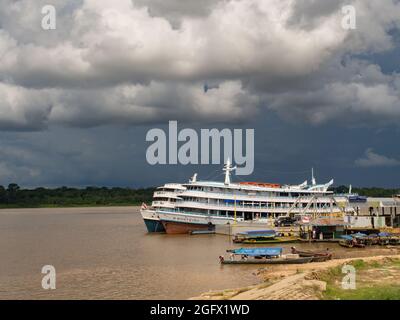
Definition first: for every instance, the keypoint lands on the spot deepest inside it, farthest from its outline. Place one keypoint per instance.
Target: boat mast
(313, 182)
(228, 168)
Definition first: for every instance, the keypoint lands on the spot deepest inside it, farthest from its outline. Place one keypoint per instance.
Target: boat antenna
(228, 168)
(312, 177)
(194, 178)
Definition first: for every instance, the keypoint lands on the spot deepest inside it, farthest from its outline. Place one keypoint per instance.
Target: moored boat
(260, 235)
(263, 256)
(350, 242)
(201, 203)
(177, 227)
(151, 220)
(297, 260)
(317, 256)
(272, 240)
(164, 197)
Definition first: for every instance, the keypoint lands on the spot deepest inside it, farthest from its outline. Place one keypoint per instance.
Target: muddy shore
(300, 282)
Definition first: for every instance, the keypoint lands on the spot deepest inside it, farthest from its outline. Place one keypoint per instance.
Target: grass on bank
(374, 281)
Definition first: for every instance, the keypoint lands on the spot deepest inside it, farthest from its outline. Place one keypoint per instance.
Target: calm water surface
(105, 253)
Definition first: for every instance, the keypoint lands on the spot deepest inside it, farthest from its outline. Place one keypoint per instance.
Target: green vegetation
(368, 192)
(374, 281)
(15, 197)
(385, 292)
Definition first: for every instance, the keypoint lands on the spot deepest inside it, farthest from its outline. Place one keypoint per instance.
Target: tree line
(14, 196)
(367, 192)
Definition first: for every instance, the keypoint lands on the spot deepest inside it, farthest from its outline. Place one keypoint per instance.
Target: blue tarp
(384, 234)
(258, 251)
(347, 237)
(359, 234)
(258, 231)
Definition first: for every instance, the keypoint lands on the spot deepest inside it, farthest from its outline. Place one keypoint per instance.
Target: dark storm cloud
(81, 94)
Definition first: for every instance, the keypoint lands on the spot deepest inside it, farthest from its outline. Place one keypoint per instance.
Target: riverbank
(377, 277)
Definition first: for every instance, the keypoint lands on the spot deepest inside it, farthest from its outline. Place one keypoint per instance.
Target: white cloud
(124, 62)
(372, 159)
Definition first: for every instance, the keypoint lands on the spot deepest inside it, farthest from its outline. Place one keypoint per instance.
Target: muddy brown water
(106, 253)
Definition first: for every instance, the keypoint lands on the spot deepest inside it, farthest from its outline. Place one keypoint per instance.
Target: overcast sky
(76, 102)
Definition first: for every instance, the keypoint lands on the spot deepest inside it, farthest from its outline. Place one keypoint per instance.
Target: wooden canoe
(324, 254)
(270, 261)
(349, 244)
(266, 241)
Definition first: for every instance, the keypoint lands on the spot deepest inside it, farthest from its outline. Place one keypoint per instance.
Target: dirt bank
(295, 282)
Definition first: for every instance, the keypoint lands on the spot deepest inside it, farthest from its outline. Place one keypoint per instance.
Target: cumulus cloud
(373, 159)
(125, 62)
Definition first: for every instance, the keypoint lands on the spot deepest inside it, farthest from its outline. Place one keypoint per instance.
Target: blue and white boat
(163, 198)
(268, 255)
(202, 205)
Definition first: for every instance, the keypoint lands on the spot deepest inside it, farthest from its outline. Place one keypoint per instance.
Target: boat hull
(351, 245)
(176, 227)
(154, 225)
(317, 256)
(199, 219)
(266, 241)
(270, 261)
(152, 221)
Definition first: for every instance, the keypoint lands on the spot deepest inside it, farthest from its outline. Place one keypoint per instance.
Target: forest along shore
(14, 196)
(377, 277)
(73, 210)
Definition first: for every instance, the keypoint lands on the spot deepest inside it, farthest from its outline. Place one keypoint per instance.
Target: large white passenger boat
(163, 198)
(200, 205)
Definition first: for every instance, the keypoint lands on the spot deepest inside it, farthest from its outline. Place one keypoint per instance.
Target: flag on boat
(144, 206)
(305, 219)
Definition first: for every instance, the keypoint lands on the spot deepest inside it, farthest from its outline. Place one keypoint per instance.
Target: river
(106, 253)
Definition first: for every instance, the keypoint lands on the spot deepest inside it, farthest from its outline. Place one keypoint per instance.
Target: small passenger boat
(282, 260)
(254, 235)
(350, 242)
(263, 256)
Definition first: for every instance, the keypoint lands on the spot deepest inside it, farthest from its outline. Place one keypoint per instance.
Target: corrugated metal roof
(327, 222)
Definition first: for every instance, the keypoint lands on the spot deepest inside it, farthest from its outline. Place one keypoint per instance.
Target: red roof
(261, 184)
